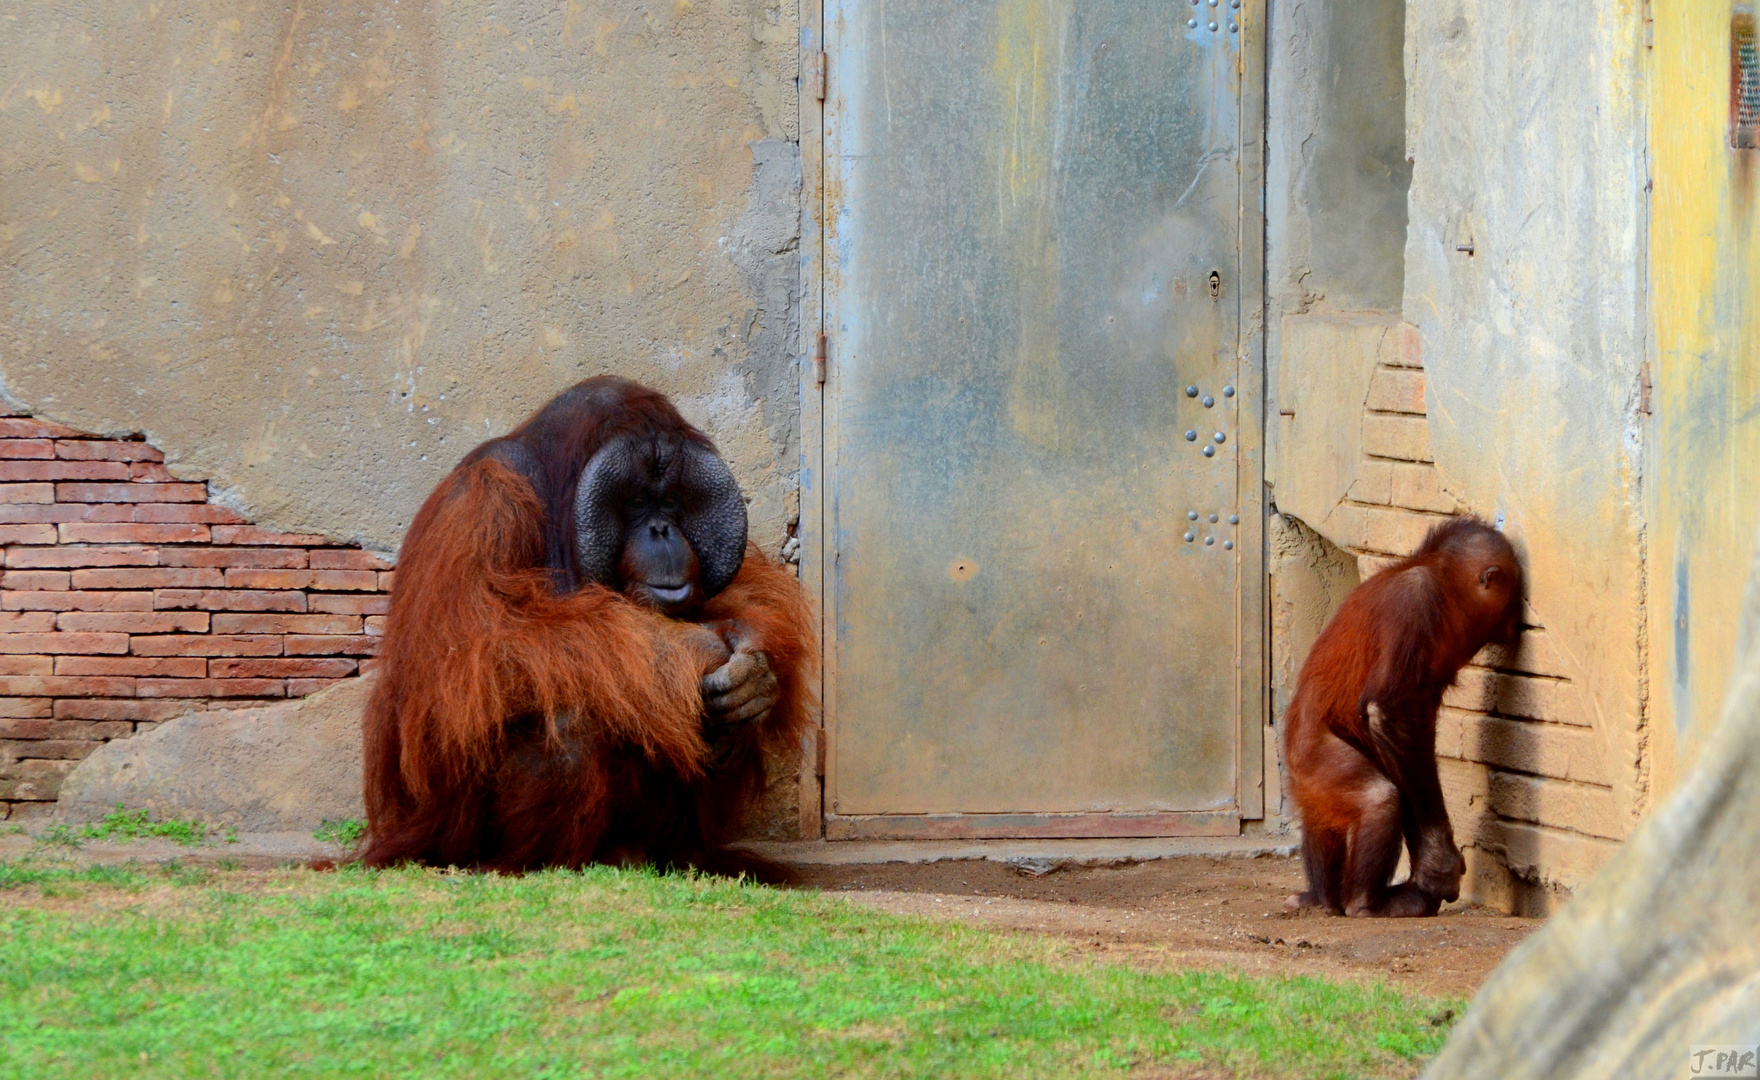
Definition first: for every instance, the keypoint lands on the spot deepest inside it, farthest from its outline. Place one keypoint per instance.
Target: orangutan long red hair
(528, 714)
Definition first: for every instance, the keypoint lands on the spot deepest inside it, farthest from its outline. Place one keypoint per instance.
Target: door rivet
(1228, 391)
(1228, 545)
(1191, 436)
(1212, 517)
(1189, 538)
(1209, 401)
(1234, 519)
(1220, 437)
(1191, 515)
(1191, 391)
(1209, 451)
(1208, 540)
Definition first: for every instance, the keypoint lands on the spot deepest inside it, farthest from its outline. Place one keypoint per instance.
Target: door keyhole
(1215, 284)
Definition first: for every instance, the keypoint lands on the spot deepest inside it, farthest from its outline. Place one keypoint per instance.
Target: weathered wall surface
(1526, 135)
(1704, 497)
(1415, 381)
(317, 251)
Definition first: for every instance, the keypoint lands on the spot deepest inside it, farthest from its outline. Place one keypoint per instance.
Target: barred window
(1744, 81)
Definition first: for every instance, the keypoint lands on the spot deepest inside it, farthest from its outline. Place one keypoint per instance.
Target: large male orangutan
(1360, 734)
(585, 661)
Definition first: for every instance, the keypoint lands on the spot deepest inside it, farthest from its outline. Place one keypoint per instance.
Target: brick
(171, 513)
(163, 667)
(376, 625)
(348, 580)
(58, 643)
(1581, 808)
(129, 709)
(1396, 390)
(1555, 750)
(1479, 689)
(282, 667)
(1373, 483)
(207, 645)
(27, 448)
(149, 577)
(256, 558)
(228, 623)
(19, 471)
(1535, 654)
(248, 578)
(34, 579)
(1419, 487)
(250, 534)
(1389, 435)
(370, 664)
(135, 622)
(1565, 858)
(39, 783)
(26, 622)
(330, 644)
(385, 580)
(136, 533)
(349, 603)
(25, 665)
(52, 513)
(106, 450)
(347, 559)
(302, 687)
(131, 493)
(1382, 530)
(76, 601)
(151, 472)
(229, 600)
(213, 688)
(1370, 565)
(65, 729)
(27, 493)
(26, 707)
(27, 427)
(125, 555)
(40, 749)
(27, 534)
(65, 686)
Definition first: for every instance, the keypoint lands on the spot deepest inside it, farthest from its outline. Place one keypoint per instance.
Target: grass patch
(124, 824)
(612, 973)
(347, 832)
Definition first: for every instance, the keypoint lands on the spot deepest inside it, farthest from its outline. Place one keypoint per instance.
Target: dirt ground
(1193, 912)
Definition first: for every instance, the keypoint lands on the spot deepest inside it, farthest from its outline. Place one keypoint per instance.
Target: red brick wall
(129, 598)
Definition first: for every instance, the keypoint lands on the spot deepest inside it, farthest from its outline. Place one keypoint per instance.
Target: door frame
(817, 355)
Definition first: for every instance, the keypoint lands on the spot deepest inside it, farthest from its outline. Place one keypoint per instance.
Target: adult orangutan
(1360, 733)
(585, 660)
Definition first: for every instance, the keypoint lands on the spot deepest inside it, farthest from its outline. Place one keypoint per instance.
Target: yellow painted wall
(1703, 483)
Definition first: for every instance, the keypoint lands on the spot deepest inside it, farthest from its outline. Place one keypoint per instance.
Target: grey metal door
(1041, 474)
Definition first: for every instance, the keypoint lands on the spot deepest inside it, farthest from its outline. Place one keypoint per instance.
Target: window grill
(1744, 81)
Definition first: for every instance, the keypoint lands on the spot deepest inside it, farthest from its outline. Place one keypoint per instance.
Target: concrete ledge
(1024, 854)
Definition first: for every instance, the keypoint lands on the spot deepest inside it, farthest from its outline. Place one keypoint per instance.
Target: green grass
(608, 973)
(124, 824)
(346, 832)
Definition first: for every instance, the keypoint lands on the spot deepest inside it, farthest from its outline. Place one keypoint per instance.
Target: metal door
(1041, 468)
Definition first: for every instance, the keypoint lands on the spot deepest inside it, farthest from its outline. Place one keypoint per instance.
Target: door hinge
(819, 359)
(1649, 26)
(1644, 388)
(821, 64)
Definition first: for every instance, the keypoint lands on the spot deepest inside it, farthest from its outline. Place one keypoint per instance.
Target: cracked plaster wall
(318, 251)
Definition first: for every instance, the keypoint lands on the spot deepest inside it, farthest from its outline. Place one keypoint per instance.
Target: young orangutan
(1360, 734)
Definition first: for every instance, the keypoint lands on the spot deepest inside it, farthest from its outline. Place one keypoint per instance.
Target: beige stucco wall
(318, 251)
(1527, 139)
